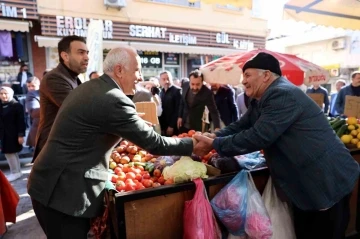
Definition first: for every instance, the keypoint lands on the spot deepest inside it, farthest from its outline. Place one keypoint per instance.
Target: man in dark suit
(170, 97)
(195, 96)
(68, 178)
(225, 102)
(58, 83)
(309, 165)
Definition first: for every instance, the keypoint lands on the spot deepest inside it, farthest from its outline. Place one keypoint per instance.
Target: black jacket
(225, 102)
(170, 104)
(18, 89)
(12, 125)
(203, 98)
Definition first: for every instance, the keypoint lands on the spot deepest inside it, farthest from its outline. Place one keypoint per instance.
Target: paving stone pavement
(27, 225)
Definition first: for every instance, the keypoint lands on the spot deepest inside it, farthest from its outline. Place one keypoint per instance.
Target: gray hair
(119, 55)
(354, 74)
(341, 81)
(261, 71)
(169, 75)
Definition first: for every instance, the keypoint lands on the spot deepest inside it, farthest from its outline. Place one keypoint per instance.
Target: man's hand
(179, 123)
(169, 131)
(209, 135)
(21, 140)
(204, 145)
(216, 129)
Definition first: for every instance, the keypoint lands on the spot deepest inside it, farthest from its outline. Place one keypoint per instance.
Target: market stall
(157, 211)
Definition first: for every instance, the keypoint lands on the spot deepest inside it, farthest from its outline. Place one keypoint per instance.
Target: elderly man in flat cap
(310, 167)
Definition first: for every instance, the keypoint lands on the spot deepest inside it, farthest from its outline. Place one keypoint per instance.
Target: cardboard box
(149, 108)
(352, 106)
(318, 98)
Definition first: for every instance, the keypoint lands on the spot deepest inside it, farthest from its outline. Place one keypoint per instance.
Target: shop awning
(142, 46)
(335, 13)
(16, 26)
(44, 41)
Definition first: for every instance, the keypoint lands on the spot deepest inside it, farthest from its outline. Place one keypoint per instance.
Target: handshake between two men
(203, 143)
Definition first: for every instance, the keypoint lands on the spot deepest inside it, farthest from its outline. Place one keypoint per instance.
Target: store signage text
(12, 11)
(243, 45)
(222, 38)
(147, 31)
(183, 39)
(151, 59)
(160, 32)
(67, 26)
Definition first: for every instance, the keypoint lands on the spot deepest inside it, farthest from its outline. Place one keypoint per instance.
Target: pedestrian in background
(12, 130)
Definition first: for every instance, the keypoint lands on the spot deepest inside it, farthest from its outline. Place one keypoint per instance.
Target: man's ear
(64, 56)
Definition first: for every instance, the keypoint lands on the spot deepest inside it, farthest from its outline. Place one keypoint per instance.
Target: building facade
(174, 35)
(19, 23)
(336, 50)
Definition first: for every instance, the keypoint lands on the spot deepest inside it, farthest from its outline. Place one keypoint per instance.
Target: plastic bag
(199, 220)
(279, 213)
(258, 224)
(230, 204)
(251, 161)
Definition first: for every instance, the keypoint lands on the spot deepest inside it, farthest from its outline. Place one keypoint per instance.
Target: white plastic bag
(258, 224)
(279, 212)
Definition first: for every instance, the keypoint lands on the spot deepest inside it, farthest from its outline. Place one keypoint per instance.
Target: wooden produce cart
(158, 212)
(354, 223)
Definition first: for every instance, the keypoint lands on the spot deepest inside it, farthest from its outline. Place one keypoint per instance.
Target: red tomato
(147, 183)
(169, 181)
(154, 179)
(120, 185)
(126, 168)
(117, 170)
(130, 175)
(140, 167)
(139, 186)
(155, 185)
(129, 187)
(157, 173)
(136, 170)
(161, 180)
(129, 181)
(121, 176)
(138, 177)
(114, 178)
(146, 175)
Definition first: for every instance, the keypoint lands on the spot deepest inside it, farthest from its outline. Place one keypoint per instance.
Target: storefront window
(12, 55)
(175, 71)
(151, 63)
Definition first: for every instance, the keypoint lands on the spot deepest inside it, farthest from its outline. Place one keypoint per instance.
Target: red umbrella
(227, 69)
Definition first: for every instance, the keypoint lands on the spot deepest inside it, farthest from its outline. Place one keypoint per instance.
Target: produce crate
(158, 212)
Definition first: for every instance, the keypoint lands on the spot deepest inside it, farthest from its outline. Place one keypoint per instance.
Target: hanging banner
(94, 42)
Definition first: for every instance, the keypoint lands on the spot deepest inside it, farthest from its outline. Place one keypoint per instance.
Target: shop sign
(67, 26)
(222, 38)
(182, 39)
(172, 59)
(147, 31)
(243, 45)
(12, 11)
(150, 59)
